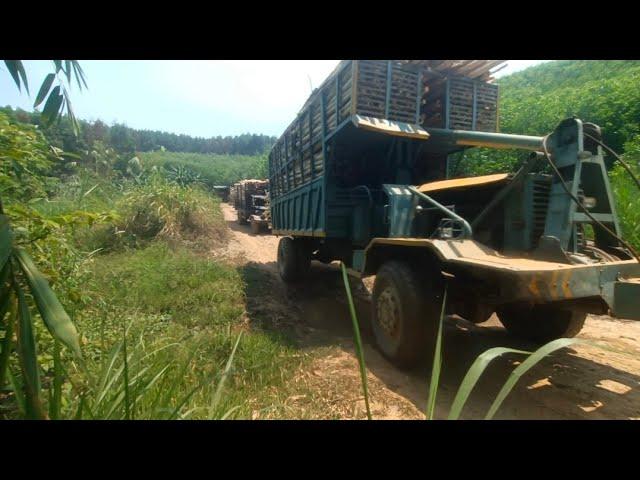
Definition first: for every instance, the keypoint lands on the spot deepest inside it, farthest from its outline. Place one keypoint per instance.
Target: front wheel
(294, 259)
(541, 323)
(405, 313)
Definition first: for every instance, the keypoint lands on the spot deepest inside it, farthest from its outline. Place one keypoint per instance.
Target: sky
(202, 98)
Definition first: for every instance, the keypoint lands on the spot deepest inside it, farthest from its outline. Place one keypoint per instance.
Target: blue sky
(200, 98)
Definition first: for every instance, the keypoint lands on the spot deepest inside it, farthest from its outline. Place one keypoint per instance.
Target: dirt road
(577, 383)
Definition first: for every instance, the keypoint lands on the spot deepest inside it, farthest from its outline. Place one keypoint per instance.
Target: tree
(18, 272)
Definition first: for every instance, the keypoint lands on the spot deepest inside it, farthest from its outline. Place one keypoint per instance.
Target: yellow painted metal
(463, 182)
(398, 129)
(470, 252)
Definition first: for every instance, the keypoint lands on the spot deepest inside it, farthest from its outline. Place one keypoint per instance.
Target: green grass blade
(225, 374)
(28, 355)
(79, 411)
(473, 374)
(166, 399)
(525, 366)
(17, 391)
(437, 363)
(126, 376)
(230, 412)
(106, 378)
(50, 308)
(183, 402)
(58, 378)
(358, 340)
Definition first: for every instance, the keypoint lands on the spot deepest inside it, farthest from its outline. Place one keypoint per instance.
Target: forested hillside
(606, 93)
(127, 140)
(535, 100)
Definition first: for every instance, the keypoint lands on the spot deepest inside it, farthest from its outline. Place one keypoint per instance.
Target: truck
(362, 176)
(222, 191)
(250, 199)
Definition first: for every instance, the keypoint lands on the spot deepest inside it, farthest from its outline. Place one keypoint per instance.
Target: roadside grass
(163, 328)
(183, 315)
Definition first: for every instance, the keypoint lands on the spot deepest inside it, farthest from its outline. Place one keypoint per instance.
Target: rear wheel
(541, 323)
(255, 227)
(294, 259)
(405, 313)
(241, 219)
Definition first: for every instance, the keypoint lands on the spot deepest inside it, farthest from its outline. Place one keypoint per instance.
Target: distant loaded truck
(251, 203)
(362, 176)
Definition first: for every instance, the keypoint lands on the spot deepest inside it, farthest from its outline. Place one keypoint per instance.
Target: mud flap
(625, 295)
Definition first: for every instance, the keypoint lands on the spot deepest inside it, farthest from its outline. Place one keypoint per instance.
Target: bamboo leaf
(52, 106)
(74, 122)
(28, 355)
(6, 240)
(473, 374)
(52, 312)
(67, 70)
(78, 71)
(12, 66)
(525, 366)
(44, 89)
(23, 74)
(7, 341)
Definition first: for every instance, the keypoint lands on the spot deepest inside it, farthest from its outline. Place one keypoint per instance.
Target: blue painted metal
(581, 171)
(400, 210)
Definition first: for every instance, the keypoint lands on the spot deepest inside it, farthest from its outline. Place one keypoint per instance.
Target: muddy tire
(541, 323)
(241, 219)
(294, 259)
(405, 313)
(255, 227)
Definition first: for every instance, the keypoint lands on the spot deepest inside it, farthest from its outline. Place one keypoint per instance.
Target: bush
(162, 209)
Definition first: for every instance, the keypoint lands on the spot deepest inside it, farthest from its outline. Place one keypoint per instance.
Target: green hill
(605, 92)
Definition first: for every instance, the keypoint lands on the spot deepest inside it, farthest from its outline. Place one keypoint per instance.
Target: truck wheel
(294, 259)
(255, 227)
(541, 323)
(405, 313)
(241, 219)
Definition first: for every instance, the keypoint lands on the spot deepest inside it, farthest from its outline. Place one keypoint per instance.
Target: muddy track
(577, 383)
